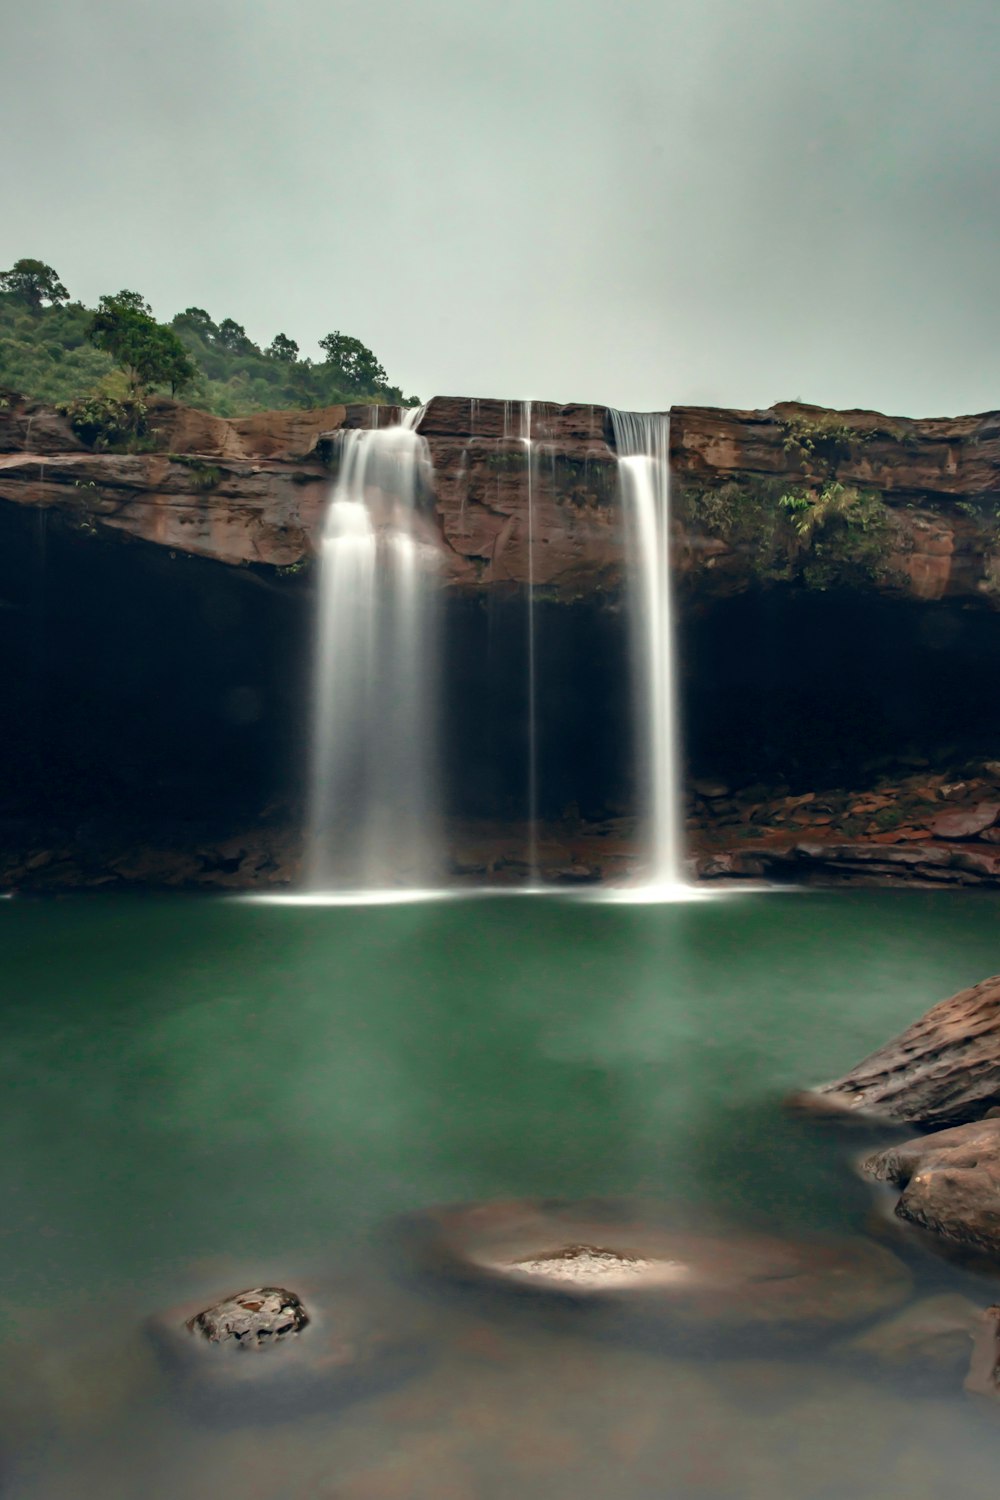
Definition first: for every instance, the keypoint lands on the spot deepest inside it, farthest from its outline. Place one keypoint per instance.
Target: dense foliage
(104, 421)
(822, 535)
(148, 354)
(68, 354)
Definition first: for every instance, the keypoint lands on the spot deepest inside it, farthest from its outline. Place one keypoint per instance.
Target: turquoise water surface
(205, 1093)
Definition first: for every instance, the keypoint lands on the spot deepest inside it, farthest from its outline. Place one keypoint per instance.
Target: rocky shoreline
(924, 829)
(942, 1076)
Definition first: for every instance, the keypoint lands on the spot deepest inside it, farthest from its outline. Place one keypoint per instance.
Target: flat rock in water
(950, 1183)
(943, 1070)
(622, 1257)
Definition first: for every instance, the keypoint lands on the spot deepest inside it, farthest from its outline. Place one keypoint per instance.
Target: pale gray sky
(640, 203)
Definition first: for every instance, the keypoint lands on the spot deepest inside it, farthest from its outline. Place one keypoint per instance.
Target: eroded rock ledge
(914, 538)
(251, 490)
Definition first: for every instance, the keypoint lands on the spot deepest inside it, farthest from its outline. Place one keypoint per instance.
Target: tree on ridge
(35, 283)
(353, 364)
(149, 353)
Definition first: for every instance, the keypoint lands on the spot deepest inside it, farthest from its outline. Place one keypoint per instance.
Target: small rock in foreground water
(343, 1338)
(255, 1319)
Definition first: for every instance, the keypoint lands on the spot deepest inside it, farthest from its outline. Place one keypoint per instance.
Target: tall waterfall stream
(374, 795)
(374, 809)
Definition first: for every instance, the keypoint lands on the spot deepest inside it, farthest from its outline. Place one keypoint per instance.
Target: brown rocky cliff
(252, 489)
(241, 490)
(939, 479)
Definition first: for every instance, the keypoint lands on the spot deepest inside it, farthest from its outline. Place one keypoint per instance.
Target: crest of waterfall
(642, 441)
(373, 814)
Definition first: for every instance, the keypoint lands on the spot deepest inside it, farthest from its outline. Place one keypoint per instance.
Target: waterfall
(525, 436)
(373, 815)
(642, 441)
(529, 445)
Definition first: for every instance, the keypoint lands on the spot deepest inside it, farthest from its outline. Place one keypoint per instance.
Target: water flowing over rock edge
(251, 493)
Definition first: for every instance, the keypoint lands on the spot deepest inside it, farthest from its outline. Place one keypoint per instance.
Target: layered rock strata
(250, 490)
(924, 828)
(944, 1070)
(793, 497)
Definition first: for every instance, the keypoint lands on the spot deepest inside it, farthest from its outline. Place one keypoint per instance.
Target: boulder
(967, 823)
(630, 1262)
(943, 1070)
(950, 1183)
(255, 1319)
(259, 1354)
(710, 790)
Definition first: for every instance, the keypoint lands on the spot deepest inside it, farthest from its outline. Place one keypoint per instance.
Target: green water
(197, 1090)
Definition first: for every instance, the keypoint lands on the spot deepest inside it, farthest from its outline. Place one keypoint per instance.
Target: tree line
(118, 353)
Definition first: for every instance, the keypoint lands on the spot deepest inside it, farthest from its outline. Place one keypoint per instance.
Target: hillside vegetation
(65, 353)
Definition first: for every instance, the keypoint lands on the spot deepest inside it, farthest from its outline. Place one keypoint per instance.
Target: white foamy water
(529, 445)
(373, 797)
(642, 441)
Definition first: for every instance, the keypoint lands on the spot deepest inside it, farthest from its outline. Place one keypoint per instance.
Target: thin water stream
(642, 440)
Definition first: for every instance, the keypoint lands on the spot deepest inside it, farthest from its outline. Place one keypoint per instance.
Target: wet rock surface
(943, 1070)
(983, 1378)
(924, 827)
(249, 494)
(262, 1353)
(254, 1319)
(250, 489)
(627, 1258)
(950, 1183)
(928, 1344)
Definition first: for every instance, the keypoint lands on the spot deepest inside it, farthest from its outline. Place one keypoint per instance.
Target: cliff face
(839, 576)
(248, 490)
(932, 489)
(919, 518)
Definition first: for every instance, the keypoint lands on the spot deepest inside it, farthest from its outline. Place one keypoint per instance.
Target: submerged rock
(263, 1352)
(925, 1343)
(943, 1070)
(628, 1259)
(950, 1183)
(253, 1319)
(983, 1378)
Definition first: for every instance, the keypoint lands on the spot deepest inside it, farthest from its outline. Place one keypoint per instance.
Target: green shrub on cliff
(824, 536)
(103, 421)
(820, 440)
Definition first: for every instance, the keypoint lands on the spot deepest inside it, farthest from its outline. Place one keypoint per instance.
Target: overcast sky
(640, 203)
